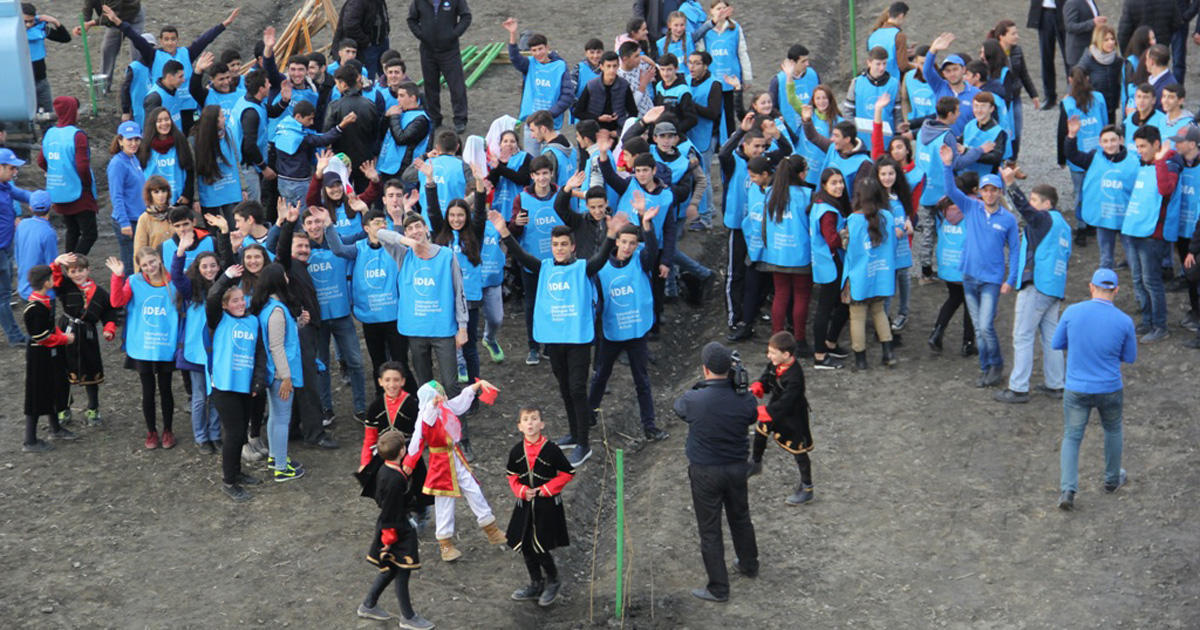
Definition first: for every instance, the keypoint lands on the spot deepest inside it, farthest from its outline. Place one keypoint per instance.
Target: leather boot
(449, 552)
(860, 361)
(935, 337)
(968, 348)
(889, 356)
(494, 535)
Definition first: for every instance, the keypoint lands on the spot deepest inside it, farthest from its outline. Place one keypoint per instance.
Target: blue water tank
(18, 95)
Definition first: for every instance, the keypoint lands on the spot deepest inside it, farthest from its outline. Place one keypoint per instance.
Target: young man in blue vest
(986, 132)
(606, 99)
(222, 88)
(548, 84)
(1151, 222)
(804, 80)
(950, 80)
(989, 229)
(247, 128)
(1187, 145)
(674, 95)
(706, 96)
(1040, 280)
(409, 130)
(589, 68)
(296, 80)
(564, 319)
(533, 218)
(38, 29)
(553, 146)
(451, 173)
(865, 90)
(134, 87)
(165, 92)
(844, 150)
(10, 195)
(295, 148)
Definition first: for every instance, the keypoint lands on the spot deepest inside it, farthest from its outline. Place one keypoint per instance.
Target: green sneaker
(494, 349)
(64, 416)
(288, 474)
(93, 417)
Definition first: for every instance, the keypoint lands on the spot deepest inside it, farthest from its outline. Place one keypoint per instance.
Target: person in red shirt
(395, 410)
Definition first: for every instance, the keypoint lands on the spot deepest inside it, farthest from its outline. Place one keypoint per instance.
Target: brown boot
(494, 535)
(449, 552)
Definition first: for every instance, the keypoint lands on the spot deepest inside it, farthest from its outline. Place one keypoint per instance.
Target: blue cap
(39, 200)
(10, 158)
(991, 180)
(129, 129)
(953, 59)
(1105, 278)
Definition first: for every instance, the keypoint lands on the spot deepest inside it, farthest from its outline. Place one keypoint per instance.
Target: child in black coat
(46, 385)
(786, 415)
(85, 304)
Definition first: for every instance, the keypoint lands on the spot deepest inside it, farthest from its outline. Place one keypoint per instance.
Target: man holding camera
(718, 411)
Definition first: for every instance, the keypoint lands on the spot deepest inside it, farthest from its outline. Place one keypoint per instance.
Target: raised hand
(638, 202)
(218, 221)
(577, 180)
(186, 240)
(941, 42)
(323, 159)
(511, 25)
(423, 167)
(788, 66)
(349, 119)
(947, 155)
(1073, 126)
(110, 14)
(654, 113)
(114, 264)
(235, 271)
(368, 169)
(204, 62)
(411, 199)
(232, 16)
(65, 260)
(748, 121)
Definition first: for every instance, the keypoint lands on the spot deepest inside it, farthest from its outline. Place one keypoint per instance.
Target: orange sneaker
(152, 440)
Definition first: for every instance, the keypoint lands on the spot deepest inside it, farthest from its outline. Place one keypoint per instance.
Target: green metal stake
(620, 531)
(853, 42)
(497, 48)
(87, 56)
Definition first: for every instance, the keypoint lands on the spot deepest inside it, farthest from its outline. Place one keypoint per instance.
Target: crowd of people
(264, 207)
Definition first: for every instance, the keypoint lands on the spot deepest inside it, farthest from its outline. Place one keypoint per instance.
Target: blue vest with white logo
(170, 246)
(787, 242)
(1049, 259)
(393, 156)
(920, 96)
(535, 239)
(375, 284)
(735, 193)
(682, 49)
(803, 89)
(628, 301)
(233, 126)
(173, 103)
(139, 86)
(847, 166)
(233, 346)
(870, 269)
(951, 241)
(929, 163)
(824, 259)
(1157, 119)
(328, 273)
(427, 295)
(451, 184)
(973, 136)
(183, 56)
(564, 311)
(194, 325)
(152, 323)
(1145, 202)
(166, 165)
(228, 187)
(752, 222)
(865, 95)
(1091, 122)
(506, 190)
(1189, 201)
(543, 82)
(224, 100)
(1106, 189)
(62, 181)
(491, 258)
(289, 135)
(723, 46)
(661, 199)
(471, 273)
(903, 248)
(291, 342)
(701, 134)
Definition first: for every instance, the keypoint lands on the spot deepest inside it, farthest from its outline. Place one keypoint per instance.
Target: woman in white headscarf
(449, 477)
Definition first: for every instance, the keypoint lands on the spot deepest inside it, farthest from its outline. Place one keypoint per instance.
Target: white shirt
(1048, 4)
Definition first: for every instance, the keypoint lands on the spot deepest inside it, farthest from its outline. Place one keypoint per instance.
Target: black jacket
(717, 417)
(1079, 21)
(359, 141)
(364, 21)
(1162, 16)
(1035, 16)
(788, 408)
(440, 31)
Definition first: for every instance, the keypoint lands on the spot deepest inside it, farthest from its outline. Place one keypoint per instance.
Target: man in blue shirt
(1104, 338)
(951, 80)
(989, 229)
(9, 193)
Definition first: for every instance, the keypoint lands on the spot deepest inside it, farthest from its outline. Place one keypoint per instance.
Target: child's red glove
(763, 416)
(757, 389)
(388, 536)
(110, 331)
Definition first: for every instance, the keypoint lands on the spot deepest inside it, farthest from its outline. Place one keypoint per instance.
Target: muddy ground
(935, 506)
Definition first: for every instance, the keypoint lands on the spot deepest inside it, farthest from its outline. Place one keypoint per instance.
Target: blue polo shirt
(1104, 338)
(987, 235)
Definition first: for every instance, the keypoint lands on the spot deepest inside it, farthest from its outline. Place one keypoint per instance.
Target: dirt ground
(935, 505)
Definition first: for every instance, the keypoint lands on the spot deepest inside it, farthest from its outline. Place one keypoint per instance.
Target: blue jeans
(279, 419)
(981, 300)
(706, 201)
(370, 59)
(292, 190)
(1018, 116)
(1179, 40)
(7, 321)
(470, 350)
(1076, 409)
(1145, 266)
(1107, 240)
(346, 337)
(903, 289)
(1036, 315)
(125, 243)
(681, 264)
(493, 311)
(205, 426)
(251, 183)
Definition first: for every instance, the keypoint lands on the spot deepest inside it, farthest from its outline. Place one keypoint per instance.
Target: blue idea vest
(543, 83)
(152, 324)
(472, 276)
(1145, 202)
(661, 199)
(564, 311)
(752, 222)
(973, 136)
(803, 89)
(328, 273)
(233, 346)
(139, 86)
(392, 156)
(735, 193)
(870, 269)
(723, 47)
(628, 301)
(542, 219)
(491, 266)
(921, 102)
(427, 295)
(194, 332)
(585, 74)
(930, 164)
(786, 242)
(506, 190)
(183, 56)
(170, 246)
(291, 342)
(375, 284)
(865, 95)
(1189, 201)
(1106, 189)
(904, 258)
(451, 184)
(171, 102)
(166, 165)
(228, 187)
(824, 259)
(701, 134)
(62, 181)
(233, 126)
(1092, 121)
(885, 38)
(1049, 259)
(951, 241)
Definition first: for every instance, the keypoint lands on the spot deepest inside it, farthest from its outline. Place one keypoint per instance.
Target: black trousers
(715, 488)
(539, 564)
(306, 409)
(735, 277)
(1050, 34)
(385, 343)
(955, 299)
(754, 291)
(434, 65)
(570, 363)
(233, 409)
(830, 317)
(1182, 245)
(639, 357)
(81, 232)
(529, 283)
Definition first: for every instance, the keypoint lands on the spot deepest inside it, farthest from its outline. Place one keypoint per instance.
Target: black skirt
(402, 554)
(46, 387)
(539, 525)
(84, 365)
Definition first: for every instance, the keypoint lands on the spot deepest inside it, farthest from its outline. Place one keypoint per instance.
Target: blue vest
(1049, 259)
(1157, 119)
(1145, 202)
(929, 163)
(564, 311)
(662, 199)
(920, 96)
(36, 35)
(824, 259)
(564, 163)
(289, 135)
(346, 227)
(328, 273)
(803, 89)
(735, 193)
(224, 100)
(194, 329)
(233, 126)
(301, 94)
(139, 86)
(787, 243)
(506, 190)
(870, 269)
(1169, 129)
(679, 165)
(375, 284)
(973, 136)
(682, 49)
(903, 248)
(491, 265)
(695, 14)
(173, 103)
(166, 165)
(392, 156)
(701, 134)
(723, 47)
(234, 343)
(672, 95)
(628, 301)
(585, 74)
(885, 38)
(847, 166)
(472, 276)
(752, 222)
(291, 342)
(542, 219)
(451, 184)
(152, 323)
(248, 241)
(170, 246)
(814, 155)
(183, 56)
(427, 299)
(951, 241)
(1091, 121)
(543, 83)
(62, 181)
(865, 95)
(228, 187)
(1106, 189)
(1189, 200)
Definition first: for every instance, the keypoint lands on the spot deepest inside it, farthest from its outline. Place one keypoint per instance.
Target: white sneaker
(250, 455)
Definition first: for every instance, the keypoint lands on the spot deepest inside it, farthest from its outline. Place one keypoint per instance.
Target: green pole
(620, 531)
(495, 51)
(87, 56)
(465, 54)
(853, 42)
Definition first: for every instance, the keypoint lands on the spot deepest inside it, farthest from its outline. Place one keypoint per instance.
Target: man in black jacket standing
(360, 142)
(438, 24)
(1047, 17)
(367, 23)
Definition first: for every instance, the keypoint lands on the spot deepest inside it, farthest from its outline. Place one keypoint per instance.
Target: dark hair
(180, 213)
(900, 189)
(847, 129)
(298, 60)
(593, 44)
(609, 56)
(541, 118)
(1149, 133)
(168, 29)
(1159, 53)
(596, 192)
(218, 68)
(410, 88)
(446, 141)
(644, 160)
(634, 25)
(537, 39)
(346, 74)
(27, 8)
(172, 66)
(1139, 41)
(587, 129)
(208, 145)
(372, 214)
(317, 57)
(153, 183)
(529, 408)
(831, 112)
(255, 81)
(1047, 192)
(303, 108)
(869, 199)
(1001, 29)
(842, 203)
(393, 61)
(390, 445)
(967, 181)
(249, 278)
(984, 96)
(562, 230)
(346, 42)
(757, 165)
(636, 146)
(183, 151)
(878, 53)
(907, 147)
(946, 105)
(705, 57)
(790, 172)
(468, 240)
(411, 218)
(200, 286)
(250, 210)
(1176, 89)
(629, 228)
(391, 366)
(978, 67)
(796, 51)
(783, 341)
(38, 275)
(668, 60)
(1080, 88)
(628, 49)
(393, 183)
(540, 163)
(995, 57)
(272, 280)
(259, 49)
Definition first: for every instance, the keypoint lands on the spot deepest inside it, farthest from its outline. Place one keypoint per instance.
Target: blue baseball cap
(39, 200)
(1105, 278)
(953, 59)
(10, 158)
(991, 180)
(129, 129)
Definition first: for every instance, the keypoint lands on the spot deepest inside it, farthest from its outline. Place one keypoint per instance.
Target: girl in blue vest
(151, 334)
(191, 290)
(916, 97)
(826, 217)
(1089, 109)
(678, 41)
(236, 371)
(346, 219)
(509, 173)
(825, 116)
(891, 176)
(725, 41)
(787, 251)
(869, 238)
(218, 179)
(165, 152)
(462, 231)
(951, 239)
(125, 182)
(756, 279)
(886, 33)
(274, 306)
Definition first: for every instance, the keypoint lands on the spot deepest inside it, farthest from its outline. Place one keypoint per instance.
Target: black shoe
(828, 362)
(206, 448)
(804, 494)
(935, 338)
(860, 361)
(889, 356)
(1009, 396)
(740, 332)
(993, 376)
(703, 593)
(1193, 343)
(247, 480)
(327, 418)
(38, 446)
(1050, 104)
(837, 352)
(1111, 487)
(897, 340)
(1066, 500)
(324, 441)
(460, 128)
(803, 350)
(754, 468)
(1176, 285)
(235, 492)
(750, 573)
(63, 435)
(1080, 238)
(549, 593)
(655, 434)
(968, 348)
(530, 592)
(1053, 393)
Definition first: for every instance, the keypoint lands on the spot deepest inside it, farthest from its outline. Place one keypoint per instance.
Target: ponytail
(789, 173)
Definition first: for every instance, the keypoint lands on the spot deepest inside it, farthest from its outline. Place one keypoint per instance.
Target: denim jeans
(1145, 266)
(1106, 239)
(251, 183)
(1036, 316)
(927, 227)
(706, 201)
(7, 321)
(205, 426)
(493, 311)
(1077, 183)
(1076, 409)
(292, 190)
(903, 289)
(346, 337)
(279, 419)
(684, 263)
(125, 244)
(981, 300)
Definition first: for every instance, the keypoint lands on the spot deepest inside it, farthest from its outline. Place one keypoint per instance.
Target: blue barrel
(18, 99)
